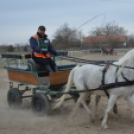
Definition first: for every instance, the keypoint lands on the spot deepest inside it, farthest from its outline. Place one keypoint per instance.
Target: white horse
(90, 76)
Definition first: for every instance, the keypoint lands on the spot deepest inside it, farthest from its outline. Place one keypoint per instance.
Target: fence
(78, 53)
(82, 52)
(85, 52)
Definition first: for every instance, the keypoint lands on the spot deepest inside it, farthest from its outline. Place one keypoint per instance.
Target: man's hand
(54, 53)
(43, 51)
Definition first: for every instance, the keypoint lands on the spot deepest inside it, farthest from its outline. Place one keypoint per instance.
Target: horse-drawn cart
(44, 85)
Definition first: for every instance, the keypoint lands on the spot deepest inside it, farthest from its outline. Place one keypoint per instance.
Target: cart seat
(36, 67)
(31, 65)
(19, 67)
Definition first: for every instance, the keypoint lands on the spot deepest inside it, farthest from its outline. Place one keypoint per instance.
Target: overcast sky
(19, 19)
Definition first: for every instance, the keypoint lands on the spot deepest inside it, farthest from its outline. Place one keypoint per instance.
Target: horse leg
(131, 100)
(97, 100)
(111, 103)
(115, 109)
(82, 96)
(77, 105)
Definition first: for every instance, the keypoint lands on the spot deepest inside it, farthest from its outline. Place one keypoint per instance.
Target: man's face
(42, 32)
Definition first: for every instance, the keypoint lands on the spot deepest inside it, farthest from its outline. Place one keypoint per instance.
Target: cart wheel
(14, 98)
(40, 104)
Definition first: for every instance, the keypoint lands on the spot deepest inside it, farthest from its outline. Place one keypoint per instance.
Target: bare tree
(108, 29)
(17, 47)
(111, 31)
(130, 40)
(3, 48)
(66, 37)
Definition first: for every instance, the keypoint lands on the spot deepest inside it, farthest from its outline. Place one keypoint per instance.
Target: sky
(19, 19)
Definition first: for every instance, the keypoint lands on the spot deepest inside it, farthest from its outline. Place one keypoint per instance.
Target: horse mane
(124, 60)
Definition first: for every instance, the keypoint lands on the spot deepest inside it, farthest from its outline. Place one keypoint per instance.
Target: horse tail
(68, 87)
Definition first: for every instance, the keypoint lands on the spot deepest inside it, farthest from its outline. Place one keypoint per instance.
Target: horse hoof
(105, 126)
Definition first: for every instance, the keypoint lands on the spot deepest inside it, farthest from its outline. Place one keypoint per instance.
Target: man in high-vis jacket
(41, 49)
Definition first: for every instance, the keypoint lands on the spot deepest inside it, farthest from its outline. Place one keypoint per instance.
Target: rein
(100, 63)
(122, 66)
(101, 87)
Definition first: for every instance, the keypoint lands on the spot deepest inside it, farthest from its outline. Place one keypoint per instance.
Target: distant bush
(25, 48)
(10, 48)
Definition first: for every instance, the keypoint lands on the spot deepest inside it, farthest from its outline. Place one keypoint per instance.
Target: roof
(104, 39)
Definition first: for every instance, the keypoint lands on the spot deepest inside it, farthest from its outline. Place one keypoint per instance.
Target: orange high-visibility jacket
(42, 43)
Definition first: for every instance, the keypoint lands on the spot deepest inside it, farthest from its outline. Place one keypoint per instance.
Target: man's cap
(41, 28)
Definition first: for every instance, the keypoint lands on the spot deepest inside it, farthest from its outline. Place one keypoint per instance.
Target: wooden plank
(59, 77)
(22, 77)
(30, 85)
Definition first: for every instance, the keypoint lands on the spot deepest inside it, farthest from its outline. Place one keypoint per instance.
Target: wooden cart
(44, 85)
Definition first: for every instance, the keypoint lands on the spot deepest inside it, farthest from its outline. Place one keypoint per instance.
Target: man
(41, 49)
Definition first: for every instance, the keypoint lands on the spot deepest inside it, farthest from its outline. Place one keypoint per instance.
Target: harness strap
(125, 77)
(103, 79)
(106, 93)
(116, 78)
(104, 72)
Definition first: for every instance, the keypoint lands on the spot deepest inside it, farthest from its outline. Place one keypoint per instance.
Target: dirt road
(23, 121)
